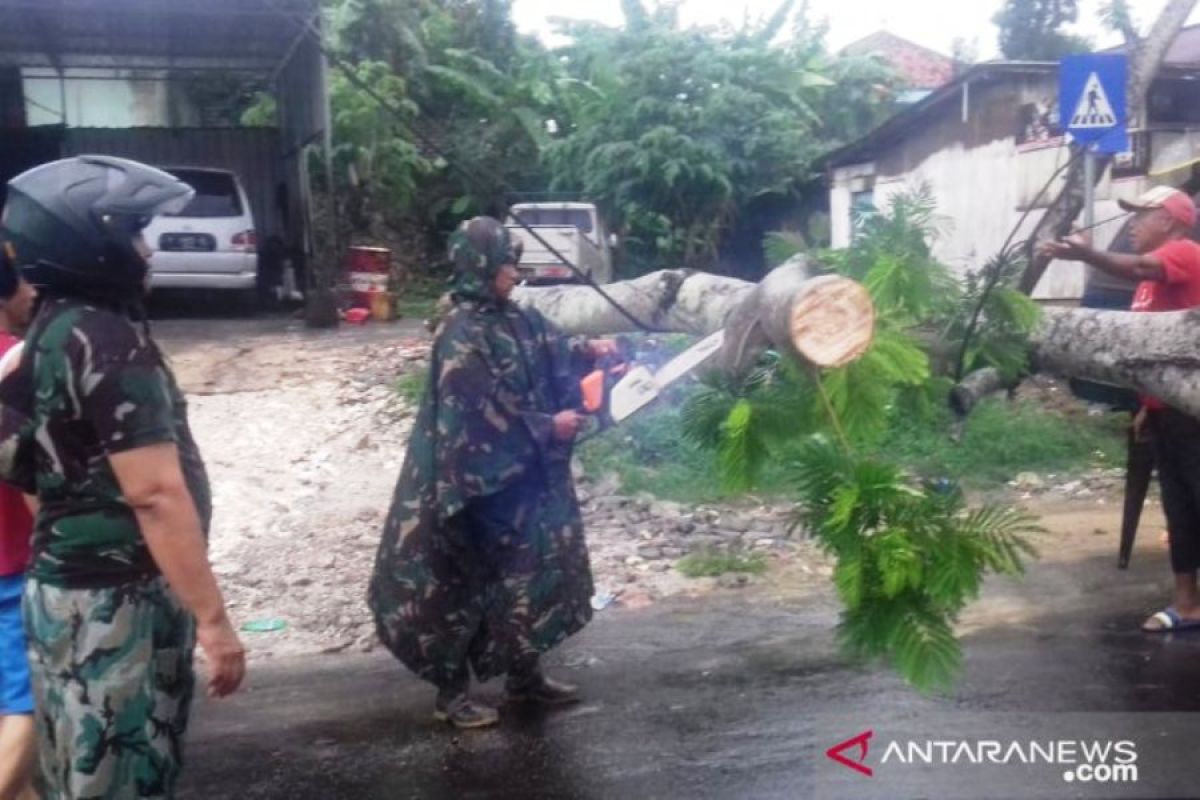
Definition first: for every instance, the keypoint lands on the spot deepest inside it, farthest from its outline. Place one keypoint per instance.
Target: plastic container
(357, 316)
(369, 271)
(381, 306)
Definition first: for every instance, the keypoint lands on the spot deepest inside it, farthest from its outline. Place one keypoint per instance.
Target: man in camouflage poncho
(483, 563)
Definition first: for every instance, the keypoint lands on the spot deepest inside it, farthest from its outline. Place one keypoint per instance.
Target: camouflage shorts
(113, 682)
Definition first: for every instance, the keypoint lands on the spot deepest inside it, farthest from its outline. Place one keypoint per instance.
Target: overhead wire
(1005, 254)
(308, 27)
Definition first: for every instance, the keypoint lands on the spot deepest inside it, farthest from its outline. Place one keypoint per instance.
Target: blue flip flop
(1171, 621)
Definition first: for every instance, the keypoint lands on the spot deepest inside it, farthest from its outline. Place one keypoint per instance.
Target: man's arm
(152, 482)
(1147, 267)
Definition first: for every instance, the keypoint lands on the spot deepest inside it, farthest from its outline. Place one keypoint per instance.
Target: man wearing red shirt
(17, 734)
(1167, 264)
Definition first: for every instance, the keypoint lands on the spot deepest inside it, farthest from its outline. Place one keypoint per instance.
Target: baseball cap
(1176, 203)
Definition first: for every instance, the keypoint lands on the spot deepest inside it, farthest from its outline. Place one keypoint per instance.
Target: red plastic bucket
(369, 269)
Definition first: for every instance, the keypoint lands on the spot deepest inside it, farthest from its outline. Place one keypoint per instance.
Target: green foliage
(688, 129)
(460, 76)
(1002, 439)
(908, 559)
(892, 256)
(649, 453)
(704, 564)
(740, 422)
(1117, 16)
(1006, 317)
(411, 386)
(263, 112)
(677, 133)
(418, 298)
(779, 246)
(1032, 30)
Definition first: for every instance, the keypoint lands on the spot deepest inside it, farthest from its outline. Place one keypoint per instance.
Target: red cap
(1176, 203)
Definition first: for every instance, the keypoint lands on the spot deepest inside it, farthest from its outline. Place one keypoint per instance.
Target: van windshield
(216, 194)
(575, 217)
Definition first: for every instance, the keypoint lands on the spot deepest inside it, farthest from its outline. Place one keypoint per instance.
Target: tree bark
(980, 384)
(1156, 354)
(1144, 62)
(826, 320)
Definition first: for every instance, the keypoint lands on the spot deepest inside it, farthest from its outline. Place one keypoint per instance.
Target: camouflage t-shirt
(101, 387)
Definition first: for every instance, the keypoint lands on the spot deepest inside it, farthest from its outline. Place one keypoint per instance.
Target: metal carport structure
(273, 42)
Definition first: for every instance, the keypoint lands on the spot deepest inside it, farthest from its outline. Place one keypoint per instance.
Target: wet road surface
(728, 696)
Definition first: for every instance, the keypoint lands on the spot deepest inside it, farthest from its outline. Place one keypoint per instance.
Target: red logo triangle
(861, 742)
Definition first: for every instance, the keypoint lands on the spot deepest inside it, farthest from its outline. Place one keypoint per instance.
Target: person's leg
(527, 682)
(18, 743)
(454, 703)
(18, 754)
(455, 706)
(113, 680)
(1177, 438)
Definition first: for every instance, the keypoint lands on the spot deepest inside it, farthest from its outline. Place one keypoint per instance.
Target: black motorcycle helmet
(70, 224)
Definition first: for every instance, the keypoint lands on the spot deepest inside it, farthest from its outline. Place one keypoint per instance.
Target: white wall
(981, 194)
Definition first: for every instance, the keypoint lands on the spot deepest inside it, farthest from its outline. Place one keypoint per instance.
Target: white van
(210, 244)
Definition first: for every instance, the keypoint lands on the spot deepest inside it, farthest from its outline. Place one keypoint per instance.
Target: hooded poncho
(483, 559)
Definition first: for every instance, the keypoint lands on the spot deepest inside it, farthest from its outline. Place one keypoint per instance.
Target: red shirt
(16, 523)
(1177, 291)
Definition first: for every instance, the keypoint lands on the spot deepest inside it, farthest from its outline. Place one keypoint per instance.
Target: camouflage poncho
(483, 559)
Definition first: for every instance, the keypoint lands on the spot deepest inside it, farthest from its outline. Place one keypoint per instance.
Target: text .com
(1081, 761)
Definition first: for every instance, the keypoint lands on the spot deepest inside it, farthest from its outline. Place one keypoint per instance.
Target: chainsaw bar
(640, 385)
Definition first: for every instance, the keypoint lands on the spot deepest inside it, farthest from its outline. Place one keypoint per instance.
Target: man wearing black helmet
(119, 586)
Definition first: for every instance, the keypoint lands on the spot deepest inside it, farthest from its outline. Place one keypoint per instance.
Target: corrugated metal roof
(251, 35)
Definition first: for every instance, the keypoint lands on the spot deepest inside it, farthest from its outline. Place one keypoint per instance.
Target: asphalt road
(737, 696)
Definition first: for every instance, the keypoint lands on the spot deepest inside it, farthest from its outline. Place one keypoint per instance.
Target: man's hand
(599, 348)
(566, 425)
(225, 655)
(1075, 247)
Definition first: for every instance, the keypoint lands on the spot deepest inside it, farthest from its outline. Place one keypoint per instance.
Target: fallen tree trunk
(1157, 354)
(826, 320)
(979, 385)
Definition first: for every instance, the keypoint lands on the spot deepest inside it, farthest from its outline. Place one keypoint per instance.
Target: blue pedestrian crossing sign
(1091, 100)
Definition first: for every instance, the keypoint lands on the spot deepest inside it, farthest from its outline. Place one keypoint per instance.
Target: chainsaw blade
(640, 385)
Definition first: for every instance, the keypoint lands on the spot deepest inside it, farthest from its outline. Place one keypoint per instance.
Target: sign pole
(1091, 97)
(1089, 187)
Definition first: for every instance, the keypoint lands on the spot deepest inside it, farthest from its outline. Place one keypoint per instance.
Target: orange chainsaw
(616, 389)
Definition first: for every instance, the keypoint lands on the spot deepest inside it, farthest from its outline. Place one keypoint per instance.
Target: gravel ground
(304, 435)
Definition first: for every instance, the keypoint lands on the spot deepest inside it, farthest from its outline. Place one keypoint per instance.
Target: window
(862, 206)
(216, 194)
(577, 217)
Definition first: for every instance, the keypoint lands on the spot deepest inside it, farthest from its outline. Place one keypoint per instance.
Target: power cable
(1005, 253)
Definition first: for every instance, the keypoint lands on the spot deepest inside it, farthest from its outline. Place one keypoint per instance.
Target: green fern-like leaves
(909, 559)
(743, 422)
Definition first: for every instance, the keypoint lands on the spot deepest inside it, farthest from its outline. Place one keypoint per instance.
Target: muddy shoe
(463, 712)
(543, 691)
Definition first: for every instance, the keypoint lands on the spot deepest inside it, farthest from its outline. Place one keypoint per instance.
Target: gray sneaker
(464, 713)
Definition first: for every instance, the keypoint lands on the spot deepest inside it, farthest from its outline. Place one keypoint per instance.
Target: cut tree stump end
(832, 321)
